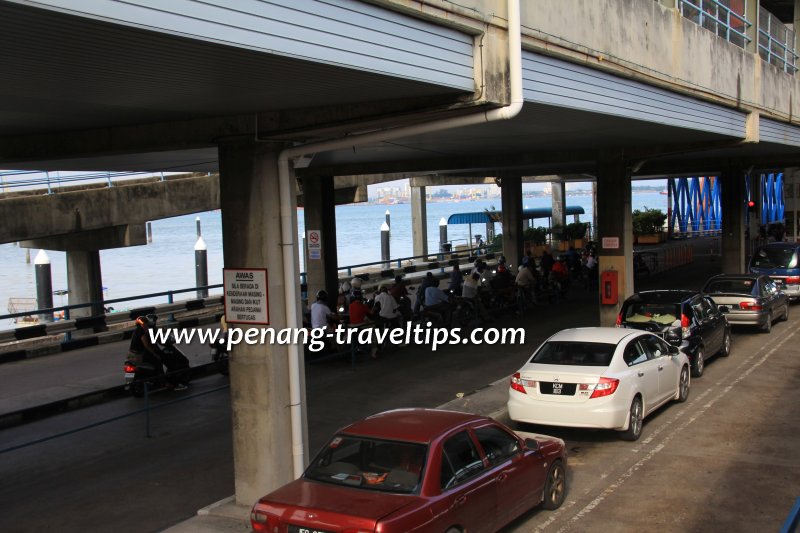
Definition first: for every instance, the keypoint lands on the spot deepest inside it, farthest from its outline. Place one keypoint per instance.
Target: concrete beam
(98, 239)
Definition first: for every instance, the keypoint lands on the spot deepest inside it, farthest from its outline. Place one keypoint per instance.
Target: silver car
(748, 299)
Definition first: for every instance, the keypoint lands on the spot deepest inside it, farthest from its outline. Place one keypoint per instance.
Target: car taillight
(750, 306)
(516, 383)
(619, 320)
(605, 387)
(685, 326)
(793, 280)
(263, 522)
(130, 367)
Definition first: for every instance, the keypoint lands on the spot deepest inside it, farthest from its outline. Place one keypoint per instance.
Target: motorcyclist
(142, 350)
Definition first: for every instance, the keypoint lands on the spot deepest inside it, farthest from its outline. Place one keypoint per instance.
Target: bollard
(27, 256)
(197, 223)
(149, 232)
(385, 255)
(201, 267)
(44, 285)
(388, 217)
(442, 236)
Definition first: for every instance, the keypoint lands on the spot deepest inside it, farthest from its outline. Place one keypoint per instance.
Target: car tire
(698, 363)
(767, 327)
(786, 312)
(453, 530)
(725, 351)
(555, 488)
(635, 421)
(683, 385)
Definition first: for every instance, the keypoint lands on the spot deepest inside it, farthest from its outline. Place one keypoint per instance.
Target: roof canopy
(480, 217)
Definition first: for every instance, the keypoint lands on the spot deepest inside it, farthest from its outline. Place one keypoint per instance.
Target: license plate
(301, 529)
(556, 388)
(129, 376)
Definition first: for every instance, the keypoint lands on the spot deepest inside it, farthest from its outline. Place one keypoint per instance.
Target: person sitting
(546, 263)
(456, 280)
(388, 309)
(399, 289)
(526, 281)
(141, 349)
(503, 282)
(360, 314)
(560, 273)
(427, 282)
(469, 293)
(437, 301)
(321, 314)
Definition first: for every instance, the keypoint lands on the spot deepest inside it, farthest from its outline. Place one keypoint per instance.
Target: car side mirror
(674, 350)
(531, 444)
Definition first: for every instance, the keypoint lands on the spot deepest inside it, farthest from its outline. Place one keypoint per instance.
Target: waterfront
(168, 262)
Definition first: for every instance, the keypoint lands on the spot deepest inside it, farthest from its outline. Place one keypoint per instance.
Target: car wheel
(767, 327)
(453, 530)
(634, 420)
(683, 385)
(786, 312)
(699, 363)
(726, 345)
(555, 488)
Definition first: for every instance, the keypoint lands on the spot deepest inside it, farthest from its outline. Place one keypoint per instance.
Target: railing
(31, 180)
(719, 17)
(471, 251)
(776, 42)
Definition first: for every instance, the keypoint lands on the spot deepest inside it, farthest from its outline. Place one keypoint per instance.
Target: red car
(419, 470)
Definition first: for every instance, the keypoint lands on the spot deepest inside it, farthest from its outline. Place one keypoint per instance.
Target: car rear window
(735, 286)
(660, 313)
(574, 353)
(774, 258)
(371, 464)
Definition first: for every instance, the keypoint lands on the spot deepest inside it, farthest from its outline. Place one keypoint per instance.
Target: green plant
(538, 235)
(557, 231)
(648, 221)
(575, 230)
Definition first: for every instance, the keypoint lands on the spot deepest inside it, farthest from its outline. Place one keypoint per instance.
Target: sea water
(168, 262)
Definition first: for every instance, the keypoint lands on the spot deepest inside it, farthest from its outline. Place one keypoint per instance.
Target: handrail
(701, 10)
(50, 182)
(787, 57)
(488, 248)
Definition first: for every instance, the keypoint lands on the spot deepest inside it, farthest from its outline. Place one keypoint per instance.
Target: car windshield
(774, 258)
(731, 286)
(660, 313)
(574, 353)
(372, 464)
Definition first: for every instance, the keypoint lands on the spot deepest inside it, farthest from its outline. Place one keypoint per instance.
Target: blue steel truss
(696, 206)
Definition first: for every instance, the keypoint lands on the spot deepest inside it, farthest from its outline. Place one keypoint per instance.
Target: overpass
(312, 90)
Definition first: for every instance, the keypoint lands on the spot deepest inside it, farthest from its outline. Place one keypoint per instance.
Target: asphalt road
(723, 461)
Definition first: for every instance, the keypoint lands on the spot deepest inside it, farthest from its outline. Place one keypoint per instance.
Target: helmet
(146, 321)
(502, 260)
(357, 294)
(356, 283)
(398, 279)
(383, 288)
(322, 294)
(345, 287)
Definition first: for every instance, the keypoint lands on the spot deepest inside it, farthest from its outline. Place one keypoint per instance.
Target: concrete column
(594, 210)
(386, 254)
(511, 201)
(751, 14)
(419, 221)
(615, 226)
(320, 214)
(442, 233)
(559, 203)
(734, 201)
(259, 373)
(85, 282)
(44, 285)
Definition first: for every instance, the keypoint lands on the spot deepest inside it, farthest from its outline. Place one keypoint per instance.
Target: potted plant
(648, 225)
(576, 232)
(535, 238)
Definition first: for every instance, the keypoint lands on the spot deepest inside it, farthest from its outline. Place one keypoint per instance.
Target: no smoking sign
(314, 243)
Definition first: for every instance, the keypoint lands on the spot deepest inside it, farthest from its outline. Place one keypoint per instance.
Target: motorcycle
(139, 373)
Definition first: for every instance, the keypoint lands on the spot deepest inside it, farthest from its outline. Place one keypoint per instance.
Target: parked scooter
(220, 355)
(138, 372)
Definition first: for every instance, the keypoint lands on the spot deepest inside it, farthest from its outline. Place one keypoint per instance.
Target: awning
(482, 217)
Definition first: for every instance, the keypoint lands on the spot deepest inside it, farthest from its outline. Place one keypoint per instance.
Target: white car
(607, 378)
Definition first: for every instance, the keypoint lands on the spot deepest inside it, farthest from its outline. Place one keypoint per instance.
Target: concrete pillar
(44, 285)
(733, 204)
(751, 14)
(149, 232)
(259, 373)
(386, 253)
(614, 230)
(320, 215)
(85, 282)
(511, 201)
(442, 233)
(594, 210)
(559, 203)
(419, 221)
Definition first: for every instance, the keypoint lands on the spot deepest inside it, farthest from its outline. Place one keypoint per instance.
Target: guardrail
(719, 18)
(17, 180)
(424, 261)
(776, 42)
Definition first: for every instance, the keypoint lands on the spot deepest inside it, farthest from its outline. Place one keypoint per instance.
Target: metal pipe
(286, 189)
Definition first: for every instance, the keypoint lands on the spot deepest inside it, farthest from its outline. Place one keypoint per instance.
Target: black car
(687, 319)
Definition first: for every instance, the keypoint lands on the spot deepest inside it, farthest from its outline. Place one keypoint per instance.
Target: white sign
(611, 243)
(314, 243)
(246, 295)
